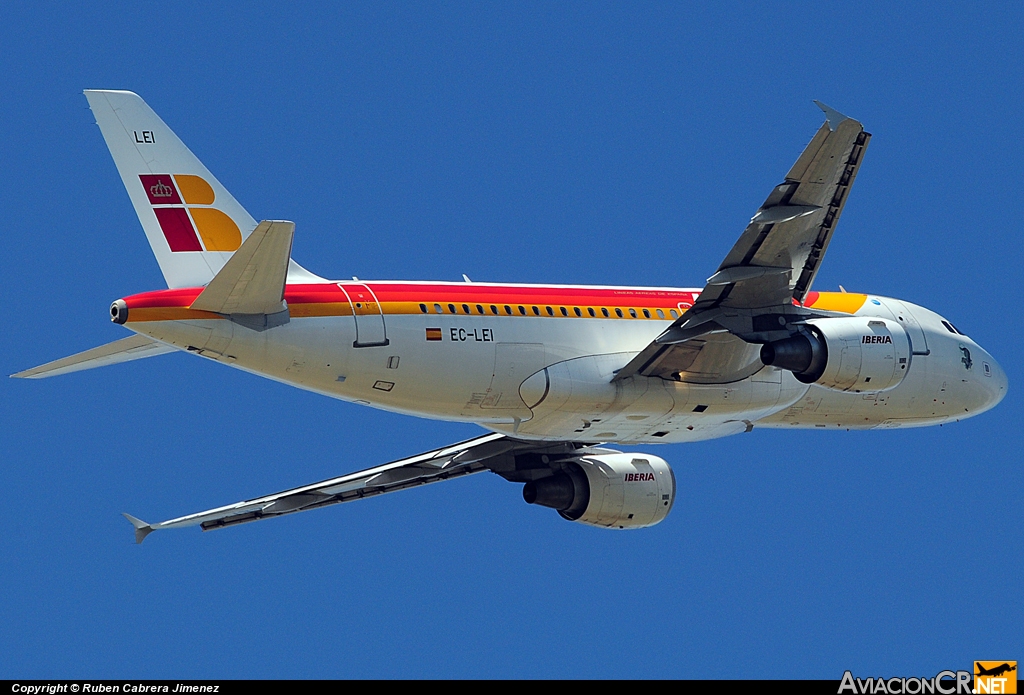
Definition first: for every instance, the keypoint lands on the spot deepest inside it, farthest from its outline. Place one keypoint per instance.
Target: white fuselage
(550, 377)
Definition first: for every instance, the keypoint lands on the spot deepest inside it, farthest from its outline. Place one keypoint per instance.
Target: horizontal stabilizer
(125, 350)
(252, 281)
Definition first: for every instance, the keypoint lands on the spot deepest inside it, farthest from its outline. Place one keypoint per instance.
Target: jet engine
(611, 490)
(859, 353)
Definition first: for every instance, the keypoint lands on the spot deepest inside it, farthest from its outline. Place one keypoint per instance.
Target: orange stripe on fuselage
(328, 299)
(845, 302)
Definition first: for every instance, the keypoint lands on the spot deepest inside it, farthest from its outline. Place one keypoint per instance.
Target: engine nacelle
(859, 353)
(610, 490)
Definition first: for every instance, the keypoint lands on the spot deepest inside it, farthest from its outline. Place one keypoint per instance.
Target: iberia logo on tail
(183, 207)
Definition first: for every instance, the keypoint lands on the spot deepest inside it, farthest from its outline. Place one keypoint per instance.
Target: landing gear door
(368, 315)
(918, 341)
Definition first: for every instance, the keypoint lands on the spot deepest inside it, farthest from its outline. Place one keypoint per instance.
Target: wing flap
(717, 357)
(135, 347)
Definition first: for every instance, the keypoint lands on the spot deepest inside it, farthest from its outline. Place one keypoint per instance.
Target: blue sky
(547, 142)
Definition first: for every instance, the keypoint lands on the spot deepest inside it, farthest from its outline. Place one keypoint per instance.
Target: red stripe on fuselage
(178, 298)
(519, 294)
(469, 293)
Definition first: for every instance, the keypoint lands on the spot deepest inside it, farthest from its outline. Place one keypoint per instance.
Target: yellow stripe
(846, 302)
(168, 313)
(324, 309)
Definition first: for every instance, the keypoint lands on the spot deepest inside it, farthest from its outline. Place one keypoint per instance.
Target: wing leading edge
(751, 296)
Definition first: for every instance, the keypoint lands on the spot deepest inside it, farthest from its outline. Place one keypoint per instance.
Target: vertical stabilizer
(193, 224)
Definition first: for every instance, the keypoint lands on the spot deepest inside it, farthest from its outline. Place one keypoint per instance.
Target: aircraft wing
(751, 296)
(471, 456)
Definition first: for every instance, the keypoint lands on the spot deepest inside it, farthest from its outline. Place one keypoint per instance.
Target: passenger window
(564, 312)
(508, 310)
(604, 311)
(479, 309)
(451, 308)
(577, 310)
(618, 312)
(423, 308)
(438, 309)
(550, 311)
(536, 311)
(661, 314)
(522, 310)
(465, 308)
(590, 310)
(632, 312)
(494, 310)
(647, 314)
(674, 313)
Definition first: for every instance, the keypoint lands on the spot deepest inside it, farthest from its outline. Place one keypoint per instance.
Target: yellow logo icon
(180, 223)
(995, 677)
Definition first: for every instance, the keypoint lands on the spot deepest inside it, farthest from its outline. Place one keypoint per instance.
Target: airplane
(995, 670)
(554, 373)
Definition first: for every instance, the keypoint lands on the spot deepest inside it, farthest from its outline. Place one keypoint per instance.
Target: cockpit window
(952, 329)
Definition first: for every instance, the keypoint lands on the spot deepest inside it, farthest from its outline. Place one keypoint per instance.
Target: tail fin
(193, 224)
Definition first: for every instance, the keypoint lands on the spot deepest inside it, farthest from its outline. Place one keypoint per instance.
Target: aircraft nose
(990, 384)
(999, 383)
(978, 379)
